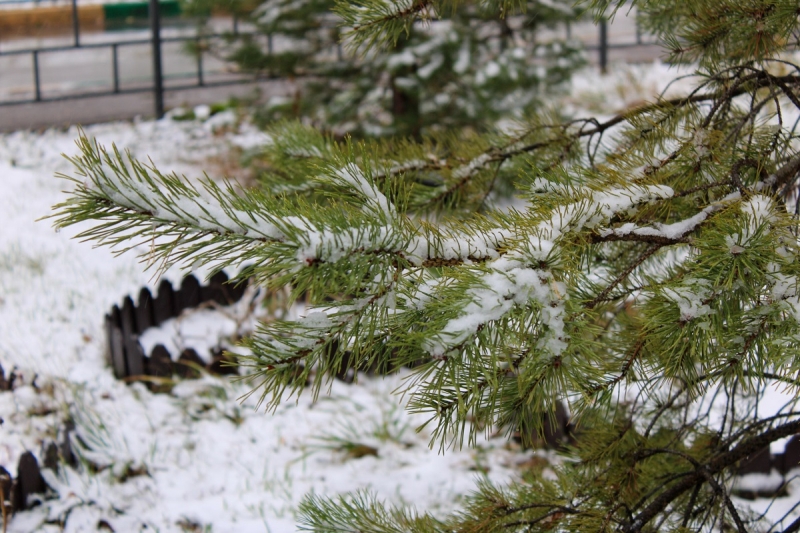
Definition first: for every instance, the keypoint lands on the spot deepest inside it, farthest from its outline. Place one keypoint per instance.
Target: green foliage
(204, 8)
(330, 516)
(647, 275)
(385, 68)
(712, 32)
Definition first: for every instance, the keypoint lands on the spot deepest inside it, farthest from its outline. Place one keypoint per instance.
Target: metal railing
(114, 86)
(157, 87)
(603, 46)
(201, 77)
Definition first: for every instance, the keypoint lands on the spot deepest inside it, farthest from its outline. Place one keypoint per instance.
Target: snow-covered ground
(198, 458)
(199, 455)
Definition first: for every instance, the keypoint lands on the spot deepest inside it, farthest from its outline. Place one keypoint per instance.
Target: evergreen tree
(650, 279)
(467, 69)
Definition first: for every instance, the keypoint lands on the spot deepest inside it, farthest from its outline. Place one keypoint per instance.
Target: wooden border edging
(124, 324)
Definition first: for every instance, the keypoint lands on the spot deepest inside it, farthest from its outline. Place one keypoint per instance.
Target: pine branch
(623, 276)
(713, 466)
(678, 200)
(379, 22)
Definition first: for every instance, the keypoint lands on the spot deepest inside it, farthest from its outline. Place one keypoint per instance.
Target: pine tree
(650, 279)
(441, 74)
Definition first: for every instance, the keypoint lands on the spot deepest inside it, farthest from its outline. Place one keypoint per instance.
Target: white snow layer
(197, 455)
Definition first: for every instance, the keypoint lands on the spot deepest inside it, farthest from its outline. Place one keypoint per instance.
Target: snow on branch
(599, 207)
(510, 281)
(690, 297)
(506, 257)
(674, 231)
(167, 199)
(136, 199)
(506, 285)
(350, 176)
(378, 22)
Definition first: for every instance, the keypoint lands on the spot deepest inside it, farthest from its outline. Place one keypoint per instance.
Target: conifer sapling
(647, 274)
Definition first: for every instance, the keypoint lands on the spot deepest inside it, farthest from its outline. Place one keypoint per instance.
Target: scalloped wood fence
(124, 324)
(18, 494)
(126, 357)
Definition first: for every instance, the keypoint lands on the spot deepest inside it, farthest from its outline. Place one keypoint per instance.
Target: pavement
(65, 113)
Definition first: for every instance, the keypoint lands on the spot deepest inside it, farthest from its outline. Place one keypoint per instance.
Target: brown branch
(736, 170)
(600, 127)
(660, 240)
(625, 369)
(495, 155)
(641, 259)
(761, 79)
(786, 90)
(730, 93)
(718, 489)
(738, 89)
(491, 185)
(556, 513)
(700, 188)
(785, 174)
(688, 514)
(434, 262)
(3, 509)
(714, 466)
(726, 498)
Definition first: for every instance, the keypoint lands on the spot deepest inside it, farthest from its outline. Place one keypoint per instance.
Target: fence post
(603, 48)
(76, 25)
(115, 65)
(36, 83)
(158, 77)
(200, 81)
